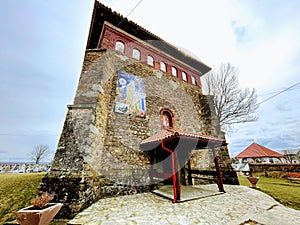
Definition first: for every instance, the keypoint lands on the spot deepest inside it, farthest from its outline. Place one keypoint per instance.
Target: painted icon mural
(131, 94)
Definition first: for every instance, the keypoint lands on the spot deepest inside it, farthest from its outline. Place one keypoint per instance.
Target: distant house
(256, 153)
(292, 155)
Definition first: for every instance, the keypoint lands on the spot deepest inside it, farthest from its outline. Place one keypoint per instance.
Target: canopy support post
(190, 180)
(218, 169)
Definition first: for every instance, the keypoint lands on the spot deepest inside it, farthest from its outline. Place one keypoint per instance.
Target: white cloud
(276, 128)
(261, 38)
(200, 26)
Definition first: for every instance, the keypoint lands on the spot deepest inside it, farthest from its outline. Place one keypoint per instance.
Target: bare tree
(288, 155)
(39, 152)
(233, 105)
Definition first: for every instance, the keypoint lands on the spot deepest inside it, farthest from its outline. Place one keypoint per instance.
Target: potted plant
(253, 180)
(40, 212)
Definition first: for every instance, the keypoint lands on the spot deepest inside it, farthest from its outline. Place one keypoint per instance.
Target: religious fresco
(131, 94)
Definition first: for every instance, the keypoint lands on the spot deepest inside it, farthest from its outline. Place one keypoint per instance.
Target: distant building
(256, 153)
(291, 155)
(23, 168)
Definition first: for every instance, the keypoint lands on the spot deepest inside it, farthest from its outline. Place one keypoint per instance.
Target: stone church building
(138, 120)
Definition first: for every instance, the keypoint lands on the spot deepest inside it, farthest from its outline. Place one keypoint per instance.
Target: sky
(43, 43)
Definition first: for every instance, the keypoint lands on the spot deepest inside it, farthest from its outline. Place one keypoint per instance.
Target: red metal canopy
(168, 134)
(176, 142)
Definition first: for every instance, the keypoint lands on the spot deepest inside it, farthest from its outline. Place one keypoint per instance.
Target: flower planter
(32, 216)
(253, 181)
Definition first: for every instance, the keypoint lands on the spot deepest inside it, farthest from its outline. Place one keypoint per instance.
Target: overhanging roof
(188, 140)
(257, 151)
(102, 13)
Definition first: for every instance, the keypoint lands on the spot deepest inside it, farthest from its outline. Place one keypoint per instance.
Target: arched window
(193, 80)
(167, 118)
(120, 46)
(150, 60)
(174, 71)
(184, 77)
(136, 54)
(163, 66)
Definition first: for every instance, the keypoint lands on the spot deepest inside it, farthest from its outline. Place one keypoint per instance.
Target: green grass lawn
(16, 191)
(284, 191)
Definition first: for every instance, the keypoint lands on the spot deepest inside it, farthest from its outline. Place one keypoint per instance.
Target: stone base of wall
(77, 192)
(230, 177)
(207, 163)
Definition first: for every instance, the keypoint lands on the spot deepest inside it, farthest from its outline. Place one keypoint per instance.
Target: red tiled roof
(168, 133)
(256, 151)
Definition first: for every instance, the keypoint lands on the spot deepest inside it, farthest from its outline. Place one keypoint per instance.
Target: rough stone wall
(288, 167)
(204, 156)
(98, 153)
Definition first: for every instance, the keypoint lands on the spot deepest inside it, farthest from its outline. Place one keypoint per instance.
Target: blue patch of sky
(240, 32)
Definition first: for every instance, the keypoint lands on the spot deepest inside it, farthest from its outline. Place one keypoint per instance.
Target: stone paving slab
(188, 192)
(238, 206)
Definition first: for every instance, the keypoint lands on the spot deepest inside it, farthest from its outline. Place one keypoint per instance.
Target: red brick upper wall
(103, 14)
(111, 35)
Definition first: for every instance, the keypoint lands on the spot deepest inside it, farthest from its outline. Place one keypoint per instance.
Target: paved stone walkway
(238, 206)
